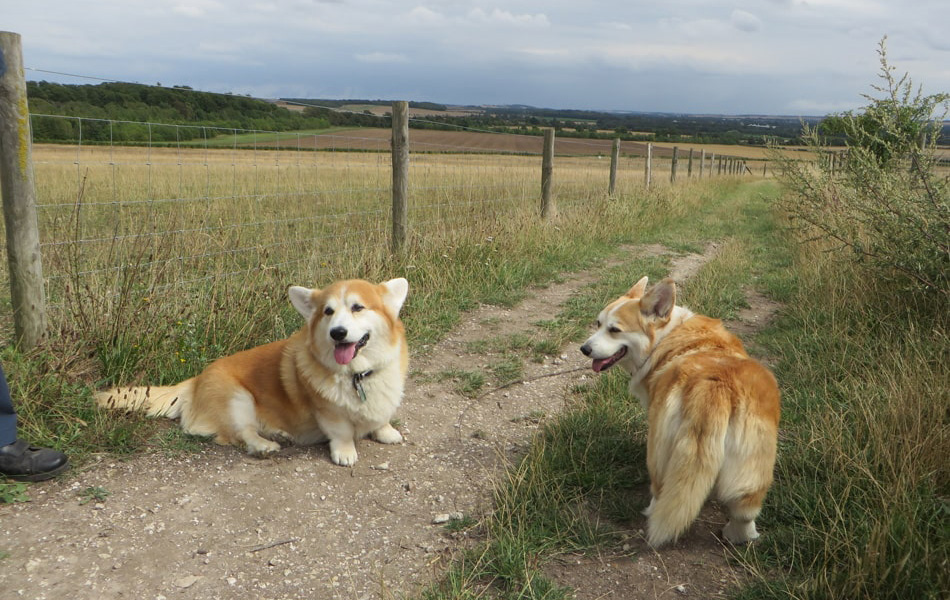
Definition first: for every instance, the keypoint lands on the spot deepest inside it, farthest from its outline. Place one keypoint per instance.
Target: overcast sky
(789, 57)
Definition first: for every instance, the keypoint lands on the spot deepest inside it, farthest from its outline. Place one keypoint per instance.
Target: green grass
(467, 383)
(583, 478)
(13, 492)
(859, 508)
(94, 494)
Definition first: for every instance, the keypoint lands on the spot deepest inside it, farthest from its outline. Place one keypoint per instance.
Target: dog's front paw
(387, 434)
(343, 453)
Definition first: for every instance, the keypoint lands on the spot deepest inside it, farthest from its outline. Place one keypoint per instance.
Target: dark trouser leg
(7, 415)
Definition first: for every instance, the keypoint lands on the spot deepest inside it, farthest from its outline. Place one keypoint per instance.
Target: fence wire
(185, 208)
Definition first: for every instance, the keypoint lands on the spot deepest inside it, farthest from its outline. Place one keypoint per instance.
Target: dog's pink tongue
(599, 364)
(344, 353)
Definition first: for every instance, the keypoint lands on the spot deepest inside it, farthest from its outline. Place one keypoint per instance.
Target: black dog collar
(358, 383)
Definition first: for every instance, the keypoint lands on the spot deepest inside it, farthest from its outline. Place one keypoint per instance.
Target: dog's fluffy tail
(696, 452)
(161, 401)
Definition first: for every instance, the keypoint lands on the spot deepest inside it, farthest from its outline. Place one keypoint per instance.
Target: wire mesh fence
(184, 209)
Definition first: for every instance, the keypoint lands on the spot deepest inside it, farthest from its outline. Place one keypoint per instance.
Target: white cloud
(425, 16)
(503, 17)
(745, 21)
(808, 106)
(381, 57)
(558, 53)
(196, 8)
(643, 55)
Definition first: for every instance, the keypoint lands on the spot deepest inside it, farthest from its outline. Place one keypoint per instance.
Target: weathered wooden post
(712, 161)
(400, 160)
(647, 168)
(614, 159)
(689, 165)
(702, 162)
(19, 198)
(673, 165)
(548, 208)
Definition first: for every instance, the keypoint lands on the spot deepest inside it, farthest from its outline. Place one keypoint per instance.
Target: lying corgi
(712, 411)
(339, 378)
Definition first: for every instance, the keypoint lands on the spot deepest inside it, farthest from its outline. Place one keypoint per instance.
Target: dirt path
(218, 524)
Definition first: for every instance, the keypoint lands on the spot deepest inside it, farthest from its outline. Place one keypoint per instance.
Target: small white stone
(187, 582)
(440, 518)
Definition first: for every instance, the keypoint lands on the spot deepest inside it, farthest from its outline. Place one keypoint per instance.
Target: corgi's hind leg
(387, 434)
(742, 514)
(246, 427)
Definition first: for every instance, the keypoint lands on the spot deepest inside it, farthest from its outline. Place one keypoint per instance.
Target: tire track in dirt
(219, 524)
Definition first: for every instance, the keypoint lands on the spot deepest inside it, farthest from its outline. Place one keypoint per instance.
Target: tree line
(128, 112)
(124, 112)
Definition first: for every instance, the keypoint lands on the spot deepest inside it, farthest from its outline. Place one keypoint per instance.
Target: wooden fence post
(548, 208)
(702, 162)
(689, 165)
(647, 168)
(712, 161)
(19, 198)
(614, 159)
(400, 160)
(673, 164)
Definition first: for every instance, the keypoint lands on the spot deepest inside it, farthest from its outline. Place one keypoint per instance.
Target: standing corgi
(713, 411)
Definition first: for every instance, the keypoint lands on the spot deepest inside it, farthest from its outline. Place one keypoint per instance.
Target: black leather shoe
(22, 462)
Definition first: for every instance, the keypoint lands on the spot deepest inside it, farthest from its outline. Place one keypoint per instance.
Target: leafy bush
(886, 200)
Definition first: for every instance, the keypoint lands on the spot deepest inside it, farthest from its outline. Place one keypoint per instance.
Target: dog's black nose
(338, 333)
(585, 349)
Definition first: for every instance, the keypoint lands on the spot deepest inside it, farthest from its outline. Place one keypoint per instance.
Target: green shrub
(886, 200)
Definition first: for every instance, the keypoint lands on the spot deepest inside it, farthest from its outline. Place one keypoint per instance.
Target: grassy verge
(584, 475)
(858, 509)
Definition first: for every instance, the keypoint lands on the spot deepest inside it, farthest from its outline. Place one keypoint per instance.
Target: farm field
(424, 140)
(429, 140)
(381, 110)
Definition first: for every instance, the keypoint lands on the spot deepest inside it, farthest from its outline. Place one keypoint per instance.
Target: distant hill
(635, 126)
(120, 111)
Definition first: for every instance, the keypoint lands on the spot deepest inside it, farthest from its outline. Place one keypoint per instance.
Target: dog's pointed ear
(302, 299)
(395, 293)
(638, 288)
(659, 301)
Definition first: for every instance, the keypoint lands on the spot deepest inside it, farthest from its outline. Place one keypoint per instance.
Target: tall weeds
(860, 501)
(859, 506)
(884, 200)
